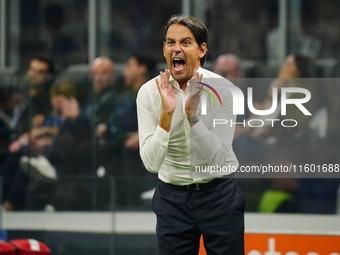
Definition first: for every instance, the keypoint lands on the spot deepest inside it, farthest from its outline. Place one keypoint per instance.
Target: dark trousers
(183, 216)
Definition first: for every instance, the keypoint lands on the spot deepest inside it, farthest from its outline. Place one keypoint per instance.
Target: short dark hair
(305, 66)
(46, 59)
(195, 25)
(66, 88)
(147, 61)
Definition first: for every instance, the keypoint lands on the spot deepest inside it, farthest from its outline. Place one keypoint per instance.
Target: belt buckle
(195, 188)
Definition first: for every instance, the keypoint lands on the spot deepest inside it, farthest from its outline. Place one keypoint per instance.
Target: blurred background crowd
(70, 72)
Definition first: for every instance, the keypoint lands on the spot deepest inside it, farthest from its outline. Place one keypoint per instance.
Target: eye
(186, 42)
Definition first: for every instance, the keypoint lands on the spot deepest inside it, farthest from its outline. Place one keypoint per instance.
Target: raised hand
(167, 93)
(195, 95)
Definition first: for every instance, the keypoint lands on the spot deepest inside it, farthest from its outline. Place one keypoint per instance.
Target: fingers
(197, 75)
(197, 88)
(158, 85)
(159, 82)
(163, 81)
(166, 76)
(198, 79)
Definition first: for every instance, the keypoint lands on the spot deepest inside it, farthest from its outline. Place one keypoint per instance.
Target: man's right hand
(167, 93)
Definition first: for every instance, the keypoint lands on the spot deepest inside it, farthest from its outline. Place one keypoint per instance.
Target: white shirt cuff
(162, 137)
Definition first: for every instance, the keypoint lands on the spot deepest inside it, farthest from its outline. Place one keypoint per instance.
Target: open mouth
(178, 64)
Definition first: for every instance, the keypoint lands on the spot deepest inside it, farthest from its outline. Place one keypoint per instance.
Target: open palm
(167, 92)
(195, 95)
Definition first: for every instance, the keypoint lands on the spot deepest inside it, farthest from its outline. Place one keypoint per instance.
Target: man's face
(103, 74)
(182, 52)
(228, 69)
(132, 72)
(37, 72)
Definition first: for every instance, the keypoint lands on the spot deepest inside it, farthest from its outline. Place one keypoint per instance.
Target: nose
(177, 48)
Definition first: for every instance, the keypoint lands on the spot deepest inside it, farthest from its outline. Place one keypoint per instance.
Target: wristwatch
(194, 118)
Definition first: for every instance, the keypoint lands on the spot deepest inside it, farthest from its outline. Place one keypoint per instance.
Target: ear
(164, 45)
(203, 50)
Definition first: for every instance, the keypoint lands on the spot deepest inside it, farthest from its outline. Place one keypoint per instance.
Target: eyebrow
(186, 38)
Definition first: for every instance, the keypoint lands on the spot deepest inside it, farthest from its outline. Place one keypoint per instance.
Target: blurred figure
(39, 73)
(113, 110)
(139, 68)
(279, 198)
(250, 142)
(27, 115)
(36, 105)
(294, 67)
(105, 92)
(103, 107)
(103, 74)
(70, 153)
(58, 147)
(138, 71)
(228, 66)
(32, 112)
(10, 98)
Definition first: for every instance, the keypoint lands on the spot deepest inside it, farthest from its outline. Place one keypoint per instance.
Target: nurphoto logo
(280, 99)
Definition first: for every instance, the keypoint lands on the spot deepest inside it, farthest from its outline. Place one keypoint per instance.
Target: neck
(183, 85)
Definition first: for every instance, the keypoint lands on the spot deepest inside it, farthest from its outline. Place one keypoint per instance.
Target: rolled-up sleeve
(153, 140)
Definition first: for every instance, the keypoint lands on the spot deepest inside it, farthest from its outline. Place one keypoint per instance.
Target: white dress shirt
(174, 155)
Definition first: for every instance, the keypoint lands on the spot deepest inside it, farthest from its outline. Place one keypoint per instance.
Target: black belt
(199, 186)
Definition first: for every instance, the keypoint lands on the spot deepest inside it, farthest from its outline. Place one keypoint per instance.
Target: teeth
(177, 59)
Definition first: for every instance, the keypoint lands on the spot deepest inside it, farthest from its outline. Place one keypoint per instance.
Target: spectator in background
(228, 66)
(251, 142)
(138, 71)
(105, 93)
(10, 98)
(294, 67)
(36, 105)
(281, 194)
(103, 107)
(58, 147)
(70, 153)
(113, 110)
(29, 114)
(279, 197)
